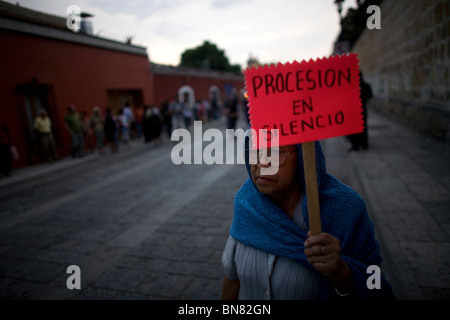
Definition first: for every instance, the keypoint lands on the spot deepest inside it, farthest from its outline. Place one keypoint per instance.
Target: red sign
(306, 101)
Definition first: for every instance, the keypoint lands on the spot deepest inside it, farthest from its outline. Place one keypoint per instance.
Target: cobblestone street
(140, 227)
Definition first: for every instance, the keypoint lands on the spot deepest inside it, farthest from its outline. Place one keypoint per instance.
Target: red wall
(80, 75)
(166, 86)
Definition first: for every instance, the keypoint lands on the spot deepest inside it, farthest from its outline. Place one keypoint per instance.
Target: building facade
(198, 84)
(45, 65)
(407, 63)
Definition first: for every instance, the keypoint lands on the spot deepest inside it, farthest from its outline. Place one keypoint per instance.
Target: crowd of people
(147, 123)
(112, 129)
(103, 129)
(181, 114)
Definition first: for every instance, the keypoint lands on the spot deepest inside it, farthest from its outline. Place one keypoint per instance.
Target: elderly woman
(270, 253)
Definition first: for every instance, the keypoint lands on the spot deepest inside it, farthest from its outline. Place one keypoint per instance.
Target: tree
(354, 22)
(208, 56)
(339, 6)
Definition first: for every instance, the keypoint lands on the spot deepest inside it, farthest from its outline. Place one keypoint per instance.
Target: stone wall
(407, 63)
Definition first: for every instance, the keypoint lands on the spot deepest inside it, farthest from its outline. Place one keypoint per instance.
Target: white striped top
(265, 276)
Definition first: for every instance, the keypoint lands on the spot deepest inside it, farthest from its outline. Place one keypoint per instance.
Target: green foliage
(208, 56)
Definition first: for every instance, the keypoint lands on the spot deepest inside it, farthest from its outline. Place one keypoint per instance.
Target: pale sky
(270, 30)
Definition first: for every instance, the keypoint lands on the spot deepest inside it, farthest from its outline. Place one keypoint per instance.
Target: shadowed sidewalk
(405, 179)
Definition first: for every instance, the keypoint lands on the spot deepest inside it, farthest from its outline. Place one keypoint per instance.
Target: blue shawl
(259, 223)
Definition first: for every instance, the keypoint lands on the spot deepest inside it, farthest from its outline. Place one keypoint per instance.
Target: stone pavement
(405, 180)
(163, 240)
(403, 177)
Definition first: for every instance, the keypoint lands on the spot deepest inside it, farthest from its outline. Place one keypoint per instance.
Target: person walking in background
(110, 128)
(146, 124)
(156, 123)
(186, 110)
(73, 125)
(207, 107)
(88, 136)
(152, 125)
(43, 127)
(124, 127)
(231, 111)
(128, 113)
(200, 111)
(96, 123)
(175, 112)
(137, 116)
(215, 107)
(360, 140)
(167, 117)
(6, 155)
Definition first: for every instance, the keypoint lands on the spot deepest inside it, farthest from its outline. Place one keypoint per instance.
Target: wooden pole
(309, 164)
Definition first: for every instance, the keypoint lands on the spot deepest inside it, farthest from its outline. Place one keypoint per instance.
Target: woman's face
(284, 182)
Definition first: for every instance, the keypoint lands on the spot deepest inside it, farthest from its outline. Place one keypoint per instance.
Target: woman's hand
(323, 251)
